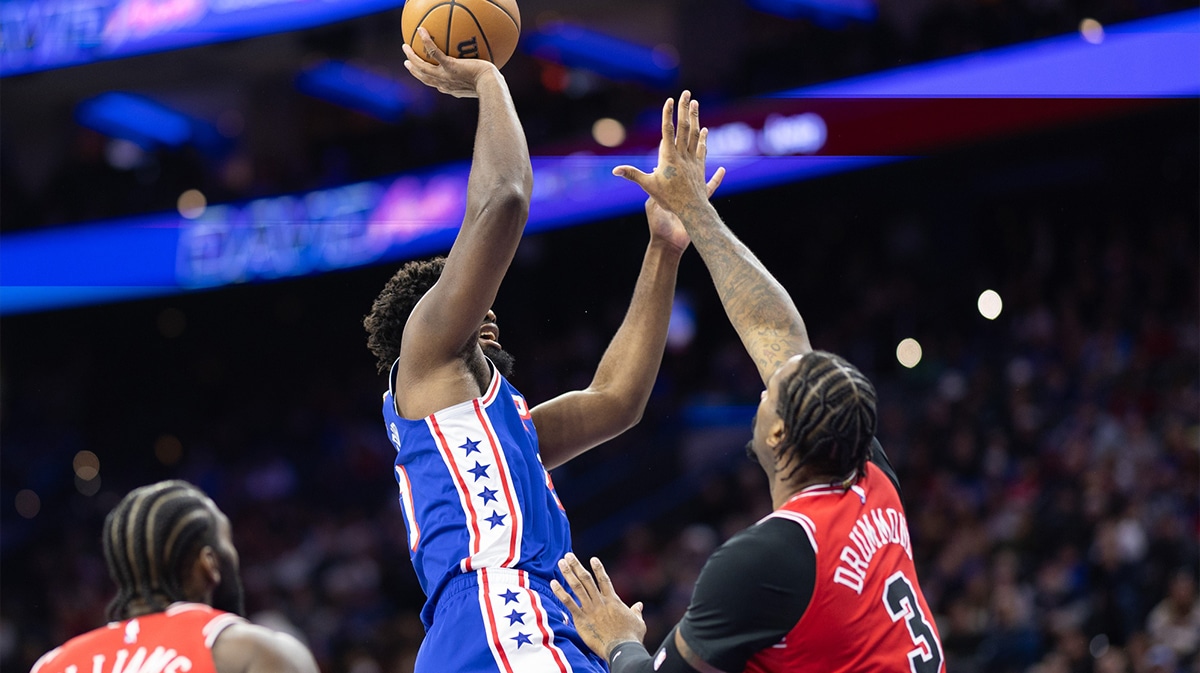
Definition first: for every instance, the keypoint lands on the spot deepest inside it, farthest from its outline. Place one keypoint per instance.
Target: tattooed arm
(760, 309)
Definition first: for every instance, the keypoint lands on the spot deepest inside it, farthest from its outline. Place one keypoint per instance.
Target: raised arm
(447, 319)
(615, 399)
(759, 307)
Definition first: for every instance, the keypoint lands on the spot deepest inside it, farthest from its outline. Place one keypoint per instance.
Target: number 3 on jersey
(901, 602)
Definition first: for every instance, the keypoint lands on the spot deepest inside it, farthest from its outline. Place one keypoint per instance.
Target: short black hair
(385, 323)
(151, 538)
(828, 409)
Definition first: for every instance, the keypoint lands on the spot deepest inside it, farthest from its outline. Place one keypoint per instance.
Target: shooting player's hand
(458, 77)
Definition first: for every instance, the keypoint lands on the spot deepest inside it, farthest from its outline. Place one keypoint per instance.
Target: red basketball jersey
(867, 612)
(177, 640)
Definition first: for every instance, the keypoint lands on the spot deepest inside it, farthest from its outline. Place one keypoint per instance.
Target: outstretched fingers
(715, 180)
(683, 130)
(603, 581)
(668, 121)
(631, 174)
(567, 599)
(696, 133)
(578, 579)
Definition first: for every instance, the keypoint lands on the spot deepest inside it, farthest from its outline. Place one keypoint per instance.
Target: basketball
(486, 29)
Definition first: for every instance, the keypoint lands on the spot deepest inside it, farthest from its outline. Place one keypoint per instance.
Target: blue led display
(418, 214)
(42, 34)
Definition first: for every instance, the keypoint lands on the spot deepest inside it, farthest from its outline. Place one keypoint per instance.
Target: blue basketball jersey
(474, 492)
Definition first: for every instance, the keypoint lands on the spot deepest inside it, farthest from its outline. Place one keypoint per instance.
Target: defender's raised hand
(601, 617)
(666, 226)
(458, 77)
(678, 180)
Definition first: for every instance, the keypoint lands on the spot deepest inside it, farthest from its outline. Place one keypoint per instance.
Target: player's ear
(776, 433)
(202, 576)
(208, 566)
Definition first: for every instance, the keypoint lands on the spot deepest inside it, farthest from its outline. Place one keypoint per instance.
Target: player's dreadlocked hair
(150, 538)
(828, 411)
(389, 313)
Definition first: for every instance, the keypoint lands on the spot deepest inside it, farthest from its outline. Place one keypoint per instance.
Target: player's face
(766, 418)
(489, 333)
(489, 341)
(228, 595)
(767, 421)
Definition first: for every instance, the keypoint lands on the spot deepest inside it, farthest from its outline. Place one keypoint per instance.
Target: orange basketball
(486, 29)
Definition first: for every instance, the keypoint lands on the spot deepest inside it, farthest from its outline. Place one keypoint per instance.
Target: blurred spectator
(1175, 621)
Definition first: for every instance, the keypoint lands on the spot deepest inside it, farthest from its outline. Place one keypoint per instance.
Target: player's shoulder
(46, 659)
(879, 460)
(243, 647)
(80, 641)
(774, 541)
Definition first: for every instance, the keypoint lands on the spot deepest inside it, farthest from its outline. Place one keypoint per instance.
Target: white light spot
(87, 465)
(990, 304)
(608, 132)
(908, 353)
(1091, 30)
(192, 203)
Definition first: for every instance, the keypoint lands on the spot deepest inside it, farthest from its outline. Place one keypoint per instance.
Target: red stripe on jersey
(444, 447)
(550, 485)
(410, 508)
(493, 632)
(825, 490)
(508, 492)
(493, 388)
(539, 616)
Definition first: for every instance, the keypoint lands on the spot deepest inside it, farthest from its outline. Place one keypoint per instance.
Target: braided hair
(828, 411)
(150, 538)
(385, 323)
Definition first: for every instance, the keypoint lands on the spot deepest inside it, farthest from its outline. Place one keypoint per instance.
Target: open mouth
(487, 336)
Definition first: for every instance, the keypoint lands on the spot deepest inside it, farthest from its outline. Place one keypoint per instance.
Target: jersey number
(901, 603)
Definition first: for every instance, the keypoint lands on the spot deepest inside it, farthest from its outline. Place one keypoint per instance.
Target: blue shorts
(506, 621)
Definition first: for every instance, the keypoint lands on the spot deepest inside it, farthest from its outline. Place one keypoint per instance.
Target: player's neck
(782, 489)
(139, 607)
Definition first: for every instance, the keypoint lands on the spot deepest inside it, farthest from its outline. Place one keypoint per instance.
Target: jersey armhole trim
(493, 388)
(806, 523)
(45, 659)
(486, 399)
(217, 625)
